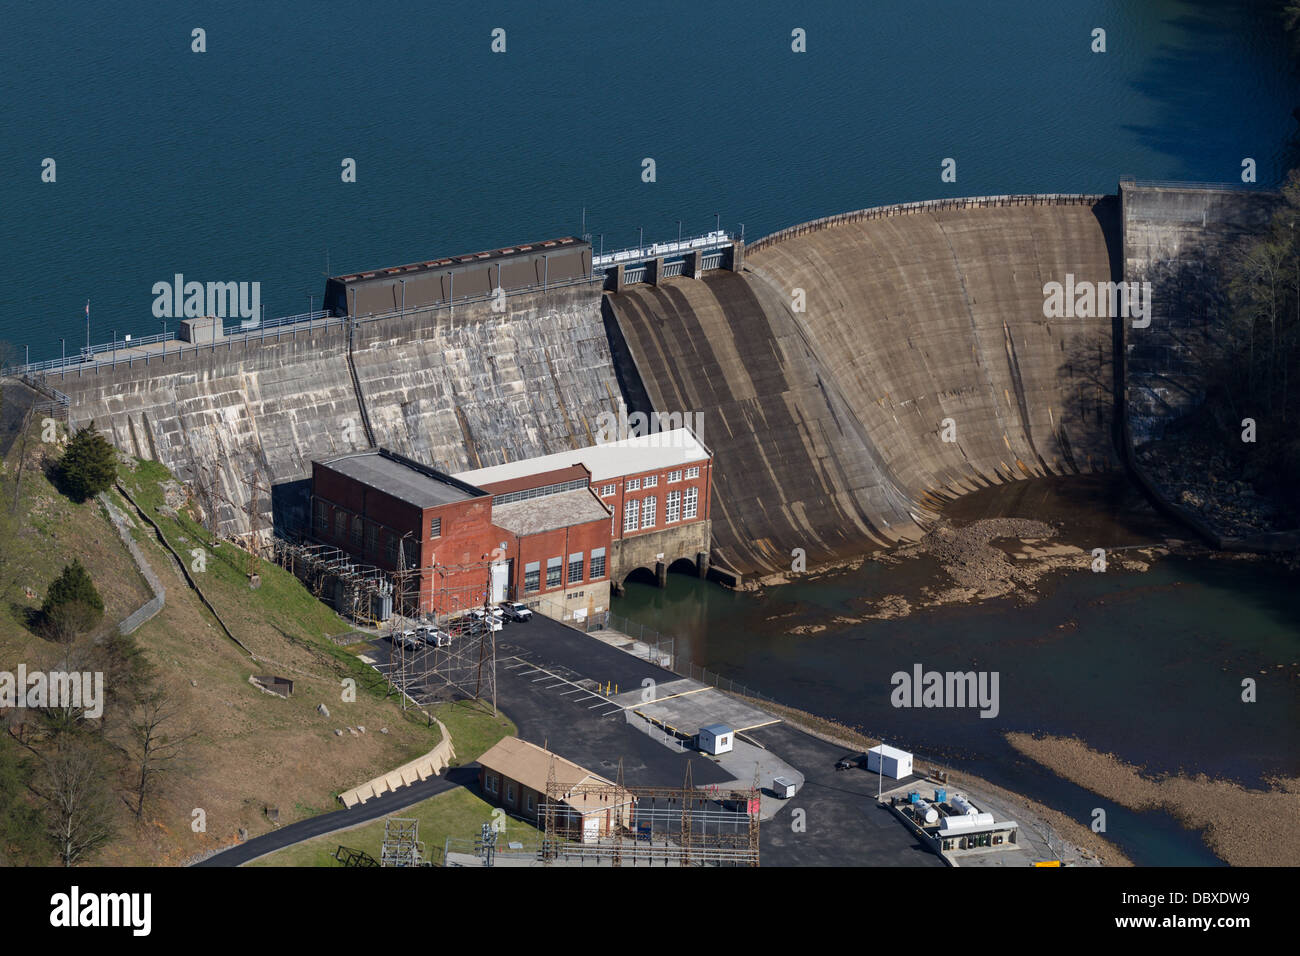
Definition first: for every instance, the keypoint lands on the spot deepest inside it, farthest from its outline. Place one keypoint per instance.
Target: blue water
(225, 166)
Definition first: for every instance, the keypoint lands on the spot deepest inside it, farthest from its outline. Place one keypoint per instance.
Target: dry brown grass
(1243, 827)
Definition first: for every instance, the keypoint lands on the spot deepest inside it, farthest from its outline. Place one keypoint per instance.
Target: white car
(408, 639)
(493, 618)
(514, 611)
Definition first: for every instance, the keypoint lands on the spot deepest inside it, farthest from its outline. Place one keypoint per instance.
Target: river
(1145, 665)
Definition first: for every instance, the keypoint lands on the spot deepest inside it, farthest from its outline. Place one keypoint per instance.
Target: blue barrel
(914, 797)
(940, 796)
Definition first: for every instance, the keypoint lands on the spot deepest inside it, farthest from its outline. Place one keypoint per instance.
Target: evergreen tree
(89, 465)
(72, 604)
(20, 822)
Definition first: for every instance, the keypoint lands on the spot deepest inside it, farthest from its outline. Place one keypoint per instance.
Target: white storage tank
(965, 824)
(925, 812)
(717, 739)
(896, 763)
(961, 804)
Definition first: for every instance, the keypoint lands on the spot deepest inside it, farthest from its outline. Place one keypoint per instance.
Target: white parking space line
(552, 681)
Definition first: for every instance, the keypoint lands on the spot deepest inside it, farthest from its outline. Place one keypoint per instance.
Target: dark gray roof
(402, 478)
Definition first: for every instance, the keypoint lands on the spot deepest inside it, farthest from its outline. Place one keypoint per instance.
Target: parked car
(436, 637)
(492, 617)
(514, 611)
(408, 639)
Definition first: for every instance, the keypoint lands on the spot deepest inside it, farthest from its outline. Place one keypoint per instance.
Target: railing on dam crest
(929, 205)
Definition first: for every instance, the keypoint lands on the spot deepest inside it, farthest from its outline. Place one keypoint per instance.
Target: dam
(826, 418)
(849, 373)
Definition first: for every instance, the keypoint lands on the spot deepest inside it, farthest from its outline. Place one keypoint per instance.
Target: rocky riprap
(1210, 486)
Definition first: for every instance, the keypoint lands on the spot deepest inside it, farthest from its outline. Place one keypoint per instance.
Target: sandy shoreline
(1242, 827)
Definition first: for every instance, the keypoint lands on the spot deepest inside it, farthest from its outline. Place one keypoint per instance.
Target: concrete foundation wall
(673, 543)
(826, 424)
(476, 388)
(218, 415)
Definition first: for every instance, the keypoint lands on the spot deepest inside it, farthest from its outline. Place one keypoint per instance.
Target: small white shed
(897, 763)
(717, 739)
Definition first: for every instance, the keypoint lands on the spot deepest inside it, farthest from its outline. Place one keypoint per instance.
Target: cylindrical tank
(926, 812)
(962, 805)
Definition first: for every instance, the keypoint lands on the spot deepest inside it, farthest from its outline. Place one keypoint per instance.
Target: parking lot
(551, 680)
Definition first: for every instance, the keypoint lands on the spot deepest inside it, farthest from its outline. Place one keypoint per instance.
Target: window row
(680, 505)
(649, 481)
(573, 570)
(364, 535)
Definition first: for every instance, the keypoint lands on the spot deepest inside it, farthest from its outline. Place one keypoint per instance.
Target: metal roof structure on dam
(436, 281)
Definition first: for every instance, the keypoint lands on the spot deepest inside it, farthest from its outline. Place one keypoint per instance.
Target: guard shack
(716, 739)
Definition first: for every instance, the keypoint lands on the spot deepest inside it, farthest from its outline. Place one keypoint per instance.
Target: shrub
(72, 605)
(88, 466)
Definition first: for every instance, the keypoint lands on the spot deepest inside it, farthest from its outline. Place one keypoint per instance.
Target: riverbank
(1242, 827)
(1079, 846)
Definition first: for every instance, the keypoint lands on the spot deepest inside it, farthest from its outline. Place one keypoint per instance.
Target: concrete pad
(692, 707)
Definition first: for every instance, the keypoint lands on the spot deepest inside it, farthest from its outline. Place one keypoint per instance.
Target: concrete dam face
(861, 369)
(459, 389)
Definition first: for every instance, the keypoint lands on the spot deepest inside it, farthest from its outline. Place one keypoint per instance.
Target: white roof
(631, 456)
(981, 821)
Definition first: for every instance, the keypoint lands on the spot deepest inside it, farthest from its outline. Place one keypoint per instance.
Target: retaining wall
(421, 768)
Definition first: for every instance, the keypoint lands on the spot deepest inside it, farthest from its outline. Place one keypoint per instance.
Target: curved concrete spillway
(920, 323)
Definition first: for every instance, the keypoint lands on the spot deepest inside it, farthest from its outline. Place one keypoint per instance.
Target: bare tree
(66, 622)
(73, 786)
(153, 745)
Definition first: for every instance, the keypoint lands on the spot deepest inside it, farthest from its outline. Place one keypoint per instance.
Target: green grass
(472, 727)
(42, 534)
(281, 601)
(459, 814)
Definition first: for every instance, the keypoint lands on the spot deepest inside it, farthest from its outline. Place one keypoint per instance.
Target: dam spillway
(826, 423)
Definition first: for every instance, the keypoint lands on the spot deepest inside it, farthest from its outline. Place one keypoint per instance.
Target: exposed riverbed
(1144, 661)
